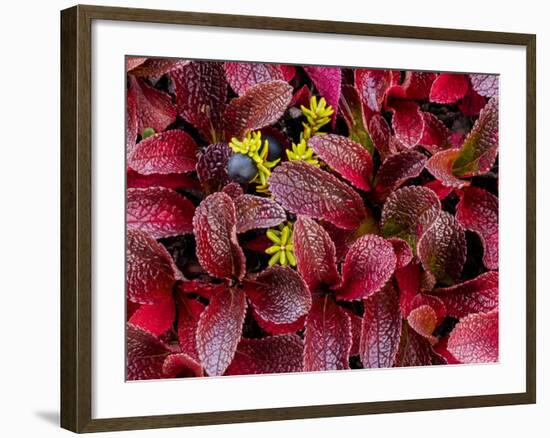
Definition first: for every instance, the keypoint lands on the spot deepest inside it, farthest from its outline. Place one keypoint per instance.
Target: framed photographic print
(252, 231)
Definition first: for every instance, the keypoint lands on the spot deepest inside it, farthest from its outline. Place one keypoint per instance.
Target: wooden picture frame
(76, 217)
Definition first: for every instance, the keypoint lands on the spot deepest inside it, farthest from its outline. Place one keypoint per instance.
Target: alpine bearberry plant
(298, 218)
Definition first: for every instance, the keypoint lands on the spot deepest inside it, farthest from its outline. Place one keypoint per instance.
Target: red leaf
(149, 269)
(441, 190)
(279, 329)
(408, 212)
(315, 254)
(131, 121)
(407, 122)
(381, 329)
(289, 71)
(301, 97)
(408, 282)
(433, 301)
(173, 181)
(257, 212)
(449, 88)
(473, 296)
(380, 134)
(397, 169)
(244, 75)
(156, 67)
(440, 166)
(145, 354)
(402, 250)
(201, 92)
(369, 264)
(441, 349)
(278, 295)
(154, 108)
(258, 244)
(415, 350)
(189, 311)
(204, 289)
(181, 365)
(436, 135)
(218, 250)
(159, 212)
(328, 81)
(270, 355)
(342, 239)
(372, 86)
(442, 249)
(219, 330)
(234, 191)
(475, 338)
(472, 103)
(212, 167)
(415, 86)
(346, 157)
(260, 106)
(133, 61)
(172, 151)
(327, 340)
(478, 211)
(478, 152)
(351, 109)
(308, 190)
(485, 85)
(155, 318)
(427, 313)
(131, 308)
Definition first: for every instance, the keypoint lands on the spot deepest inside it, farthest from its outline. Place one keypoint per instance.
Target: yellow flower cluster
(252, 146)
(317, 115)
(282, 250)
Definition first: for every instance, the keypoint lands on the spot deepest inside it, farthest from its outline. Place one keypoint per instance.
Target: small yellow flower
(282, 250)
(252, 146)
(302, 152)
(317, 115)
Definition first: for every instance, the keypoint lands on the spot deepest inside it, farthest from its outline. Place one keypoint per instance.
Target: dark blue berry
(275, 147)
(241, 168)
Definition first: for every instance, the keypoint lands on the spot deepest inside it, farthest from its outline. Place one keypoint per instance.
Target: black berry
(241, 168)
(275, 148)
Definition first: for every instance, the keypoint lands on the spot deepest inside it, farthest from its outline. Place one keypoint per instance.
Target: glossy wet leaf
(473, 296)
(381, 329)
(158, 211)
(395, 171)
(278, 295)
(150, 272)
(315, 254)
(369, 264)
(172, 151)
(478, 211)
(257, 212)
(475, 338)
(215, 231)
(307, 190)
(269, 355)
(328, 339)
(442, 249)
(219, 330)
(408, 212)
(244, 75)
(201, 93)
(260, 106)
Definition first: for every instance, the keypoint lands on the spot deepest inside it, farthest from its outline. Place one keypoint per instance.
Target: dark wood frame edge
(76, 342)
